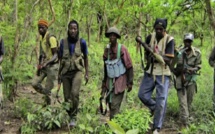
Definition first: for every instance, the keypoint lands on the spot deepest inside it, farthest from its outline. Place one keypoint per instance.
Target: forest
(22, 111)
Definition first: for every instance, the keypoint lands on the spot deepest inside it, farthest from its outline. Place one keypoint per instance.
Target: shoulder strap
(48, 36)
(47, 39)
(119, 51)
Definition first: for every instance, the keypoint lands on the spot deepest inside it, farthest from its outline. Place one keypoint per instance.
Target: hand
(86, 78)
(44, 65)
(39, 67)
(59, 79)
(129, 88)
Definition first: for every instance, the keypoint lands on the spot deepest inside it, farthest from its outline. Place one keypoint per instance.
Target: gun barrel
(139, 40)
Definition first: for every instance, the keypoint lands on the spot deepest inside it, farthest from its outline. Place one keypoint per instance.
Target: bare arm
(54, 57)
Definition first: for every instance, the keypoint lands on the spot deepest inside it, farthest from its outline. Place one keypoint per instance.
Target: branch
(139, 20)
(34, 5)
(118, 18)
(53, 13)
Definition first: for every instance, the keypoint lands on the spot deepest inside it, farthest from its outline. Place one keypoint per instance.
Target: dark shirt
(169, 46)
(1, 47)
(83, 44)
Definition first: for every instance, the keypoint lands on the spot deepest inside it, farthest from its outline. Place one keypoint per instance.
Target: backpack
(115, 68)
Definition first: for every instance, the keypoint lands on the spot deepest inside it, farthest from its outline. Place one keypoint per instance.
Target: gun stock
(157, 56)
(39, 67)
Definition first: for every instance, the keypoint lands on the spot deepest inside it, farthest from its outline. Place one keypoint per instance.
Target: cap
(188, 36)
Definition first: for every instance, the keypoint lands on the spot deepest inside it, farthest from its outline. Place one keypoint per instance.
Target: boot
(47, 101)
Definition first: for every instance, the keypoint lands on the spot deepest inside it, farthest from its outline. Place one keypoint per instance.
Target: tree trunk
(99, 21)
(210, 15)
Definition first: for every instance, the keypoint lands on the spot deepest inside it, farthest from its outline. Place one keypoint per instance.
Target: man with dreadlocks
(157, 74)
(73, 59)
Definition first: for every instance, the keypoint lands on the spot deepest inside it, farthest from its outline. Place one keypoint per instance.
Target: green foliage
(135, 119)
(46, 118)
(88, 124)
(118, 130)
(23, 107)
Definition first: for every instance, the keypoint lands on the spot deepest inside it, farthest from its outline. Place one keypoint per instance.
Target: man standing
(189, 62)
(73, 57)
(118, 71)
(157, 74)
(48, 66)
(1, 77)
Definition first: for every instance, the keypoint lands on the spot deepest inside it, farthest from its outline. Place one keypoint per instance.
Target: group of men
(163, 60)
(183, 63)
(65, 62)
(70, 60)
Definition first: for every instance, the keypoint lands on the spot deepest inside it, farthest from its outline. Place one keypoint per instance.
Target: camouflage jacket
(188, 62)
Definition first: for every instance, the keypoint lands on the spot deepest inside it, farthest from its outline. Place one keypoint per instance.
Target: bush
(134, 119)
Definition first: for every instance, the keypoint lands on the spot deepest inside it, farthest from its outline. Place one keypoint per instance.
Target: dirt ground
(9, 124)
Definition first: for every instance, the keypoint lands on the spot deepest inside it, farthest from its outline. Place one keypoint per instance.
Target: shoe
(152, 112)
(72, 123)
(156, 131)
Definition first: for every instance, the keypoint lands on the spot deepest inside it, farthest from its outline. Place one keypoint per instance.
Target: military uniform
(49, 72)
(186, 81)
(71, 71)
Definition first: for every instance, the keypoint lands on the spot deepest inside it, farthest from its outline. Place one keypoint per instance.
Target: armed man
(48, 65)
(159, 54)
(186, 71)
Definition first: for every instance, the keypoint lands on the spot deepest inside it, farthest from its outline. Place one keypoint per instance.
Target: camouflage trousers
(115, 104)
(185, 98)
(71, 87)
(50, 74)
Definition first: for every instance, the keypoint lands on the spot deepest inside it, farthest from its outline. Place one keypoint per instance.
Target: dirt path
(9, 124)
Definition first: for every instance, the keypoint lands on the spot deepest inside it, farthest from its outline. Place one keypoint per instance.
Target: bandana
(43, 22)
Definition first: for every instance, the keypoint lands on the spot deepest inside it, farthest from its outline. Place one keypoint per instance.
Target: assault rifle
(39, 67)
(157, 56)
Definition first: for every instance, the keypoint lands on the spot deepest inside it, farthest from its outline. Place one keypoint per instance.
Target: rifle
(157, 56)
(39, 67)
(1, 76)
